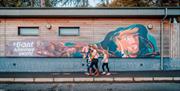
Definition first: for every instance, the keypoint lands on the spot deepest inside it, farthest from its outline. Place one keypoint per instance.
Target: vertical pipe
(161, 42)
(5, 37)
(179, 42)
(178, 37)
(161, 39)
(170, 29)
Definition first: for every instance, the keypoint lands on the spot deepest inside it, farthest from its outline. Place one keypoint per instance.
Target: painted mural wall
(129, 42)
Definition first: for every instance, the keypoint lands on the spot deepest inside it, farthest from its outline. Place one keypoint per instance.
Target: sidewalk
(116, 77)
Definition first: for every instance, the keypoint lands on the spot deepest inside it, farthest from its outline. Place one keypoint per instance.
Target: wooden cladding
(88, 30)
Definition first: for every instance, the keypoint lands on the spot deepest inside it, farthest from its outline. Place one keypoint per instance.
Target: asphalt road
(81, 74)
(92, 87)
(128, 86)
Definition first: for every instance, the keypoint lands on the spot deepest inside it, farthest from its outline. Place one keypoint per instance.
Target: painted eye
(129, 38)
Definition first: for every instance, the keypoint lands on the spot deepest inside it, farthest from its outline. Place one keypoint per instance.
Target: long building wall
(92, 30)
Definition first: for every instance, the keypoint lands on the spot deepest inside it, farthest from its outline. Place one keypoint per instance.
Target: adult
(94, 55)
(86, 56)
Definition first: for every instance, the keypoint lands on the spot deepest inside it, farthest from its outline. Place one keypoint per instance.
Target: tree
(104, 3)
(141, 3)
(169, 3)
(18, 3)
(85, 3)
(129, 3)
(10, 3)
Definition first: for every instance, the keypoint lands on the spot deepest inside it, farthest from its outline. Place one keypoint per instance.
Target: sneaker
(108, 74)
(87, 73)
(93, 73)
(103, 73)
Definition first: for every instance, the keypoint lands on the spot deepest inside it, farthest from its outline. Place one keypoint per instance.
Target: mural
(20, 48)
(59, 49)
(43, 48)
(129, 42)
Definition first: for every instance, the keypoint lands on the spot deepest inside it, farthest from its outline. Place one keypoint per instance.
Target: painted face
(129, 43)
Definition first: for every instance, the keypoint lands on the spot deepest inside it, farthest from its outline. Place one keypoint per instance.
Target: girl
(105, 63)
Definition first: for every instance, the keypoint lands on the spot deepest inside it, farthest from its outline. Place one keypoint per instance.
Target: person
(105, 61)
(94, 61)
(86, 56)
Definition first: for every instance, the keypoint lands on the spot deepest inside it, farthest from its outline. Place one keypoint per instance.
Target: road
(80, 74)
(92, 87)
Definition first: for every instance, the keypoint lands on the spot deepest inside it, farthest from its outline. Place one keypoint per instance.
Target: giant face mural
(129, 42)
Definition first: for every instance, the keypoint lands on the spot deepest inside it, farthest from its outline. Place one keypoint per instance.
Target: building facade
(53, 40)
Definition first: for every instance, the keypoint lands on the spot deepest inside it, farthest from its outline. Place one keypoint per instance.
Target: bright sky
(91, 2)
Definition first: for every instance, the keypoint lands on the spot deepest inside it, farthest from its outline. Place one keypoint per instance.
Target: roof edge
(88, 12)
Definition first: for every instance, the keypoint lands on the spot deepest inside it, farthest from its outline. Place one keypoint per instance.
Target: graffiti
(23, 48)
(129, 42)
(59, 49)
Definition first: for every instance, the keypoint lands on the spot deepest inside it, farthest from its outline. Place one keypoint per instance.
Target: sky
(92, 3)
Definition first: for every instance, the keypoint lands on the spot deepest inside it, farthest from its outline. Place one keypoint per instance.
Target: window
(69, 31)
(28, 31)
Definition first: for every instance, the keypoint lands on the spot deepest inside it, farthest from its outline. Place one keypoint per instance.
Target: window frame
(33, 27)
(59, 31)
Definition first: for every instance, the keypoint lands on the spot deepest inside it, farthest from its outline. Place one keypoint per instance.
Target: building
(52, 39)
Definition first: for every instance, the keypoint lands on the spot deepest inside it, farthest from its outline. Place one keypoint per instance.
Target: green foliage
(10, 3)
(16, 3)
(26, 3)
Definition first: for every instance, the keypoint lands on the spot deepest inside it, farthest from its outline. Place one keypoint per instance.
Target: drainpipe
(161, 39)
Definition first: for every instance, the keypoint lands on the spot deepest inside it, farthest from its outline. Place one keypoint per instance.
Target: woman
(105, 61)
(94, 61)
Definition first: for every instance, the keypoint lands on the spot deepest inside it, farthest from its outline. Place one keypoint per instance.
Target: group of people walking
(91, 55)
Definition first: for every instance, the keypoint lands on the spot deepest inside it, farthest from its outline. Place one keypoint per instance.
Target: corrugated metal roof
(88, 12)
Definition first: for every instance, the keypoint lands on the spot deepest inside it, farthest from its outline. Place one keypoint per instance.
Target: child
(105, 63)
